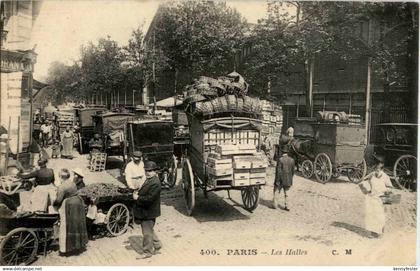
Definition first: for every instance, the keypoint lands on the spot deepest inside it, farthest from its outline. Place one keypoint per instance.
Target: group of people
(375, 186)
(59, 195)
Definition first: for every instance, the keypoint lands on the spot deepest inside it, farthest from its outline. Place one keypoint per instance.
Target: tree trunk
(386, 115)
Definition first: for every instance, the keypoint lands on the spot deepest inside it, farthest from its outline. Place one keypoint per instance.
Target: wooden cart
(398, 141)
(111, 127)
(115, 207)
(155, 139)
(23, 237)
(210, 134)
(336, 149)
(84, 117)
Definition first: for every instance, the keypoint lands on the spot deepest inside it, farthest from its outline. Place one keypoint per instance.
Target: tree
(286, 45)
(199, 37)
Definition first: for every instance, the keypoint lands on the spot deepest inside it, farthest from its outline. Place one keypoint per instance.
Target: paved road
(323, 219)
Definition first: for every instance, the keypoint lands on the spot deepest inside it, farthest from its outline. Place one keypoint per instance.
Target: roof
(143, 121)
(109, 114)
(169, 102)
(396, 124)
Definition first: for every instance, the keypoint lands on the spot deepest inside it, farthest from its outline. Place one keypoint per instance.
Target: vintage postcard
(203, 133)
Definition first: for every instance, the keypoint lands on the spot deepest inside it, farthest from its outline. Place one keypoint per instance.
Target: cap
(379, 158)
(42, 161)
(79, 171)
(137, 154)
(150, 165)
(285, 148)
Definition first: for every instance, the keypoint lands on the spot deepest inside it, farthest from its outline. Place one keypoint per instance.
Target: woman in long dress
(376, 186)
(67, 141)
(73, 233)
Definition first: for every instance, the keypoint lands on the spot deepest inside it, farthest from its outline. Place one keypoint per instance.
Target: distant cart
(329, 149)
(84, 117)
(398, 141)
(111, 126)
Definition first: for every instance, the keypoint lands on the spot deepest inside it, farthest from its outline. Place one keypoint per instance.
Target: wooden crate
(257, 175)
(219, 172)
(255, 181)
(97, 162)
(240, 182)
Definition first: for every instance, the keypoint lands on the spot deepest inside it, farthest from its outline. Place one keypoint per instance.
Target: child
(55, 149)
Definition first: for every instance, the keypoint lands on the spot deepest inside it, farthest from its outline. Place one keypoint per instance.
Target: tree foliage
(199, 37)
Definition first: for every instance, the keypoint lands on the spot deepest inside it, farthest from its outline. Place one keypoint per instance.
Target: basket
(224, 103)
(199, 107)
(256, 107)
(207, 108)
(217, 105)
(247, 104)
(211, 92)
(231, 102)
(239, 104)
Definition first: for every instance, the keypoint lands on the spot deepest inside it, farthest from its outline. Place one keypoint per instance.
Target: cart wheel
(250, 197)
(172, 173)
(323, 168)
(117, 219)
(188, 185)
(307, 169)
(357, 174)
(19, 247)
(405, 172)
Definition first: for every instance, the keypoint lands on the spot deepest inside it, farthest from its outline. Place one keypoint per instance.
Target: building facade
(17, 64)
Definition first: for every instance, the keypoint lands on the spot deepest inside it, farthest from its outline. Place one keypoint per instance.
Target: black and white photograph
(208, 133)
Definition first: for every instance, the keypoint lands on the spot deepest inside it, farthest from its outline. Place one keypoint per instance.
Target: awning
(168, 102)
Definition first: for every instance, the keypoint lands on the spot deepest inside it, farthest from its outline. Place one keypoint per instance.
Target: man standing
(46, 131)
(285, 170)
(134, 171)
(147, 209)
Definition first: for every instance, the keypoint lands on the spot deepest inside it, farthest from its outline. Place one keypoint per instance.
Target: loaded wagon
(112, 206)
(329, 149)
(155, 139)
(85, 131)
(224, 151)
(111, 127)
(398, 142)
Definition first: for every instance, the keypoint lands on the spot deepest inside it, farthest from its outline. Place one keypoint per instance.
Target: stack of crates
(97, 162)
(236, 165)
(272, 121)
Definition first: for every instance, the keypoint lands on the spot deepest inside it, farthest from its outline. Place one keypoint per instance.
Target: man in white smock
(134, 172)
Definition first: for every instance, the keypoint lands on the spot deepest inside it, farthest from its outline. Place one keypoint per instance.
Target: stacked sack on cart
(239, 165)
(224, 94)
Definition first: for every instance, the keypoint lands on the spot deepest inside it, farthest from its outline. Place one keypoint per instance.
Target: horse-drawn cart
(224, 152)
(329, 149)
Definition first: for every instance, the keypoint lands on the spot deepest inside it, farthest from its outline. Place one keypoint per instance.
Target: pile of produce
(225, 94)
(99, 190)
(209, 88)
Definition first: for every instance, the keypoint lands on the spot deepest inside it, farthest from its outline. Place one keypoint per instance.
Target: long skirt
(374, 214)
(73, 233)
(67, 147)
(42, 197)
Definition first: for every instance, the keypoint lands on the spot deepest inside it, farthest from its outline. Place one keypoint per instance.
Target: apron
(67, 144)
(374, 210)
(73, 232)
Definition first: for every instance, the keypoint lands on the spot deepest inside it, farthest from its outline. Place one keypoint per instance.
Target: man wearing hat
(78, 178)
(147, 209)
(285, 169)
(134, 171)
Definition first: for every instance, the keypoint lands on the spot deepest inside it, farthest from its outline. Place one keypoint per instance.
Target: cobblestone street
(324, 220)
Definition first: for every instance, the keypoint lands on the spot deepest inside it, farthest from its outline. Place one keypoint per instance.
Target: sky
(64, 25)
